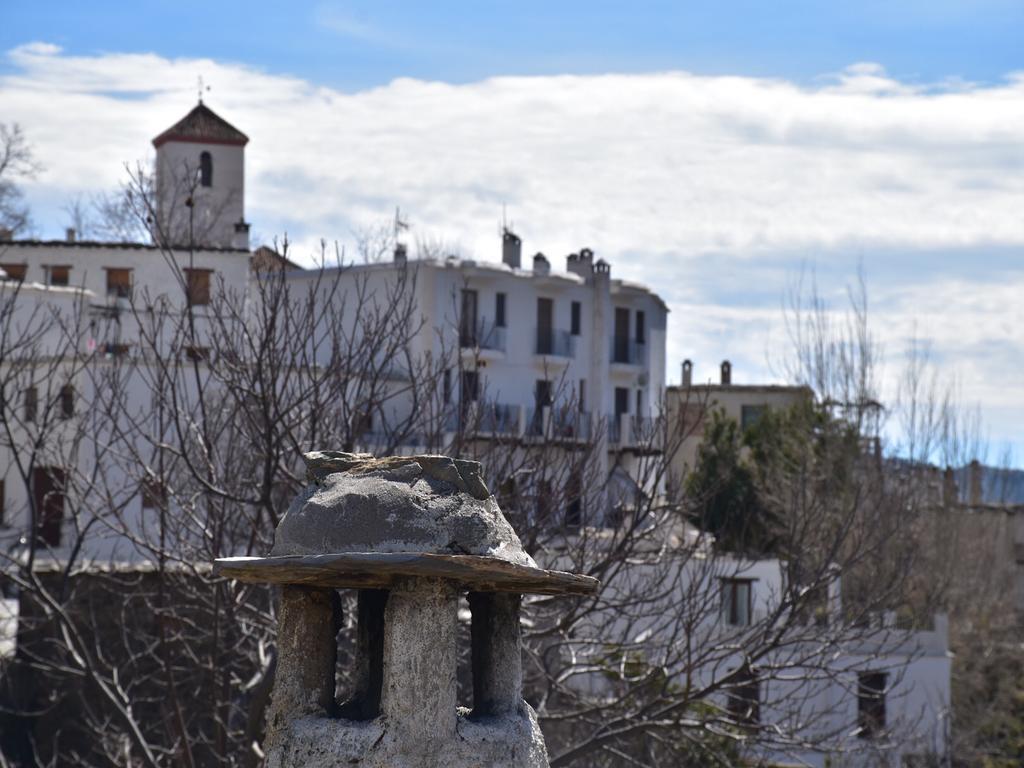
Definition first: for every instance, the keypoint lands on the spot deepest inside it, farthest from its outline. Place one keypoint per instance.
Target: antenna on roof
(400, 225)
(200, 87)
(506, 225)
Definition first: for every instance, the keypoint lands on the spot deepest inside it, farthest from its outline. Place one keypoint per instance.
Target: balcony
(484, 337)
(558, 423)
(628, 352)
(555, 343)
(634, 432)
(479, 419)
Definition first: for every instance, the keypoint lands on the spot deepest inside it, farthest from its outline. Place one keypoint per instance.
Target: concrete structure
(690, 404)
(412, 534)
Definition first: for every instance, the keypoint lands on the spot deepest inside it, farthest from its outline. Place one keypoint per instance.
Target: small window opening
(48, 488)
(499, 310)
(31, 399)
(197, 287)
(67, 401)
(367, 654)
(206, 169)
(744, 698)
(119, 282)
(15, 272)
(154, 494)
(871, 703)
(574, 319)
(58, 276)
(737, 601)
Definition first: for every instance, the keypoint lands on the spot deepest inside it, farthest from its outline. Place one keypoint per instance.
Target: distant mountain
(998, 486)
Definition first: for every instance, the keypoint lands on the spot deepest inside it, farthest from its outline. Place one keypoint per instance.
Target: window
(116, 350)
(119, 282)
(48, 498)
(154, 493)
(206, 169)
(736, 601)
(3, 503)
(542, 503)
(639, 403)
(620, 350)
(446, 392)
(641, 328)
(621, 401)
(15, 271)
(468, 319)
(744, 697)
(871, 703)
(582, 396)
(499, 310)
(574, 501)
(67, 401)
(470, 386)
(545, 326)
(751, 414)
(197, 287)
(574, 319)
(197, 354)
(31, 399)
(59, 276)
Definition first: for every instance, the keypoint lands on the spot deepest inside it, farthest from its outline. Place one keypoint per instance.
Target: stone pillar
(497, 655)
(419, 689)
(306, 654)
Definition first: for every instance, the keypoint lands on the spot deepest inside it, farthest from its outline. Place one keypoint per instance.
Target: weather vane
(200, 87)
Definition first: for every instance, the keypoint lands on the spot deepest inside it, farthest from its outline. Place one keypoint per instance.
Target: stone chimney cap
(363, 522)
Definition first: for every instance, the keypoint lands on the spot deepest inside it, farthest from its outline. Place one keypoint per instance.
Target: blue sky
(362, 44)
(713, 150)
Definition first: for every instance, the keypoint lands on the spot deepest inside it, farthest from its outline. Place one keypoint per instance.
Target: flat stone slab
(379, 570)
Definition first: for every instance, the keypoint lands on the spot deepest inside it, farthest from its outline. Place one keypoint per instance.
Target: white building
(538, 354)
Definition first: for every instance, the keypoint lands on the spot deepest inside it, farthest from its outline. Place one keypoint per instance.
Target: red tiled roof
(202, 125)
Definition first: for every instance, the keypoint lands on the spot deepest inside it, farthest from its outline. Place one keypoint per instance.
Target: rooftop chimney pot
(511, 248)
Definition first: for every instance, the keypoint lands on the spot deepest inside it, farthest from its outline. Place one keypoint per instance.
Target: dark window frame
(205, 169)
(198, 286)
(500, 307)
(641, 327)
(49, 493)
(871, 692)
(30, 401)
(67, 401)
(575, 318)
(58, 275)
(16, 273)
(743, 699)
(731, 601)
(117, 288)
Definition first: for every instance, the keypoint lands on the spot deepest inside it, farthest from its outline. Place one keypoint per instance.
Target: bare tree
(16, 162)
(197, 439)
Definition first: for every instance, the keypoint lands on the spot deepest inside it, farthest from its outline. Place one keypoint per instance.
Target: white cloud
(692, 184)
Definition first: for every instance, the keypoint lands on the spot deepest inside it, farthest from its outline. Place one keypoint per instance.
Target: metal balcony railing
(499, 419)
(483, 418)
(558, 423)
(484, 335)
(555, 342)
(628, 351)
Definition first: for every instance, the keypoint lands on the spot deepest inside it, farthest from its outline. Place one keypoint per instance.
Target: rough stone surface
(419, 725)
(401, 504)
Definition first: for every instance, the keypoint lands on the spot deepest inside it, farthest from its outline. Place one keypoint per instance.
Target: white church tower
(200, 182)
